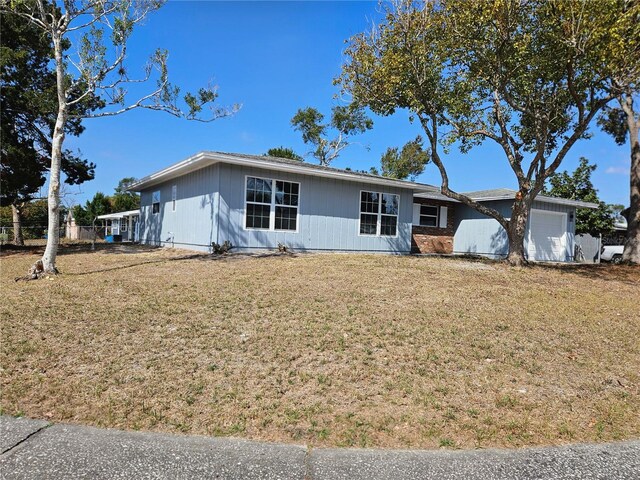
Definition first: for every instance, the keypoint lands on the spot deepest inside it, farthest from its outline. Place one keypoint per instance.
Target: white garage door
(547, 236)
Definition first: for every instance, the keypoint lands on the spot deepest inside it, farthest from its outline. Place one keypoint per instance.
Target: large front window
(271, 205)
(379, 214)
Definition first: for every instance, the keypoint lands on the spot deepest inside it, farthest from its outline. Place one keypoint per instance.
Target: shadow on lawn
(607, 272)
(205, 257)
(73, 248)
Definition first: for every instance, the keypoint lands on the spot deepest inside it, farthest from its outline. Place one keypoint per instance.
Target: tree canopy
(26, 120)
(406, 163)
(329, 139)
(529, 76)
(98, 69)
(282, 152)
(101, 204)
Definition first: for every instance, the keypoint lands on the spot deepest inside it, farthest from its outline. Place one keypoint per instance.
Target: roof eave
(543, 199)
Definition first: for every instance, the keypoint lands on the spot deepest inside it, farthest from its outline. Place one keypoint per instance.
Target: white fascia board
(204, 159)
(543, 199)
(540, 198)
(116, 215)
(177, 169)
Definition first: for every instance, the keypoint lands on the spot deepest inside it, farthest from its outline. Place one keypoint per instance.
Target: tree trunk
(631, 253)
(16, 211)
(515, 233)
(53, 200)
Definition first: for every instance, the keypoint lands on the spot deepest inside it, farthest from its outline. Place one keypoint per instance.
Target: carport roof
(113, 216)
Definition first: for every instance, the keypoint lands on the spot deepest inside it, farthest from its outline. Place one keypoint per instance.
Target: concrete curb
(37, 449)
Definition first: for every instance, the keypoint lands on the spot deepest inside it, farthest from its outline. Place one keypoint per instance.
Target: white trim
(204, 159)
(564, 237)
(379, 214)
(159, 202)
(442, 218)
(272, 207)
(437, 215)
(110, 216)
(539, 198)
(416, 215)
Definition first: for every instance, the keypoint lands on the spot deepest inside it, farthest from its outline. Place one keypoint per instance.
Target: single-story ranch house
(258, 202)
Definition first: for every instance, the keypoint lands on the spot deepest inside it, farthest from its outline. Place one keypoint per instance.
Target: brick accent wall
(433, 239)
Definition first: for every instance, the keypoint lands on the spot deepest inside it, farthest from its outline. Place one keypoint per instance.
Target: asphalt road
(36, 449)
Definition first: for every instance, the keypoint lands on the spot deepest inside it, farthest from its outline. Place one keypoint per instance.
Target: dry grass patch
(348, 350)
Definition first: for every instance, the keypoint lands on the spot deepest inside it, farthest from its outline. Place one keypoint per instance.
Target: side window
(155, 202)
(174, 196)
(428, 216)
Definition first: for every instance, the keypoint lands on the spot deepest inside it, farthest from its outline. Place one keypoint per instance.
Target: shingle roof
(298, 163)
(203, 159)
(493, 192)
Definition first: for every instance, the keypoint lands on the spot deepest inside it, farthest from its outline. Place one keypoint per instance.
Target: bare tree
(101, 30)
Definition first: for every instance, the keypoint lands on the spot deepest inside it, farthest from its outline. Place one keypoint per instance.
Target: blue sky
(273, 58)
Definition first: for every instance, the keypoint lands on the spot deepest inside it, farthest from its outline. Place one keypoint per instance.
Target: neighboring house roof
(114, 216)
(508, 194)
(204, 159)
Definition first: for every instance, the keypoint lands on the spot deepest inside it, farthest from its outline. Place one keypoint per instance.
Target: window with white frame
(174, 196)
(155, 202)
(123, 224)
(429, 216)
(267, 199)
(379, 214)
(286, 205)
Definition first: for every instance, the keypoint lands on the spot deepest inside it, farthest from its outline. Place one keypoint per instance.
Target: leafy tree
(406, 163)
(346, 121)
(100, 204)
(578, 186)
(528, 76)
(28, 94)
(101, 29)
(371, 171)
(282, 152)
(34, 218)
(122, 200)
(622, 123)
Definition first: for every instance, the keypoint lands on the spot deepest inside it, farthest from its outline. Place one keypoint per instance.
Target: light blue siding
(211, 207)
(194, 223)
(478, 234)
(482, 235)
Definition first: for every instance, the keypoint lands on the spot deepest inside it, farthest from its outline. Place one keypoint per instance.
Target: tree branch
(429, 125)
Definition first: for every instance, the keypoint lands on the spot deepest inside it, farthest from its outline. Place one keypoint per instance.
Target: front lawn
(346, 350)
